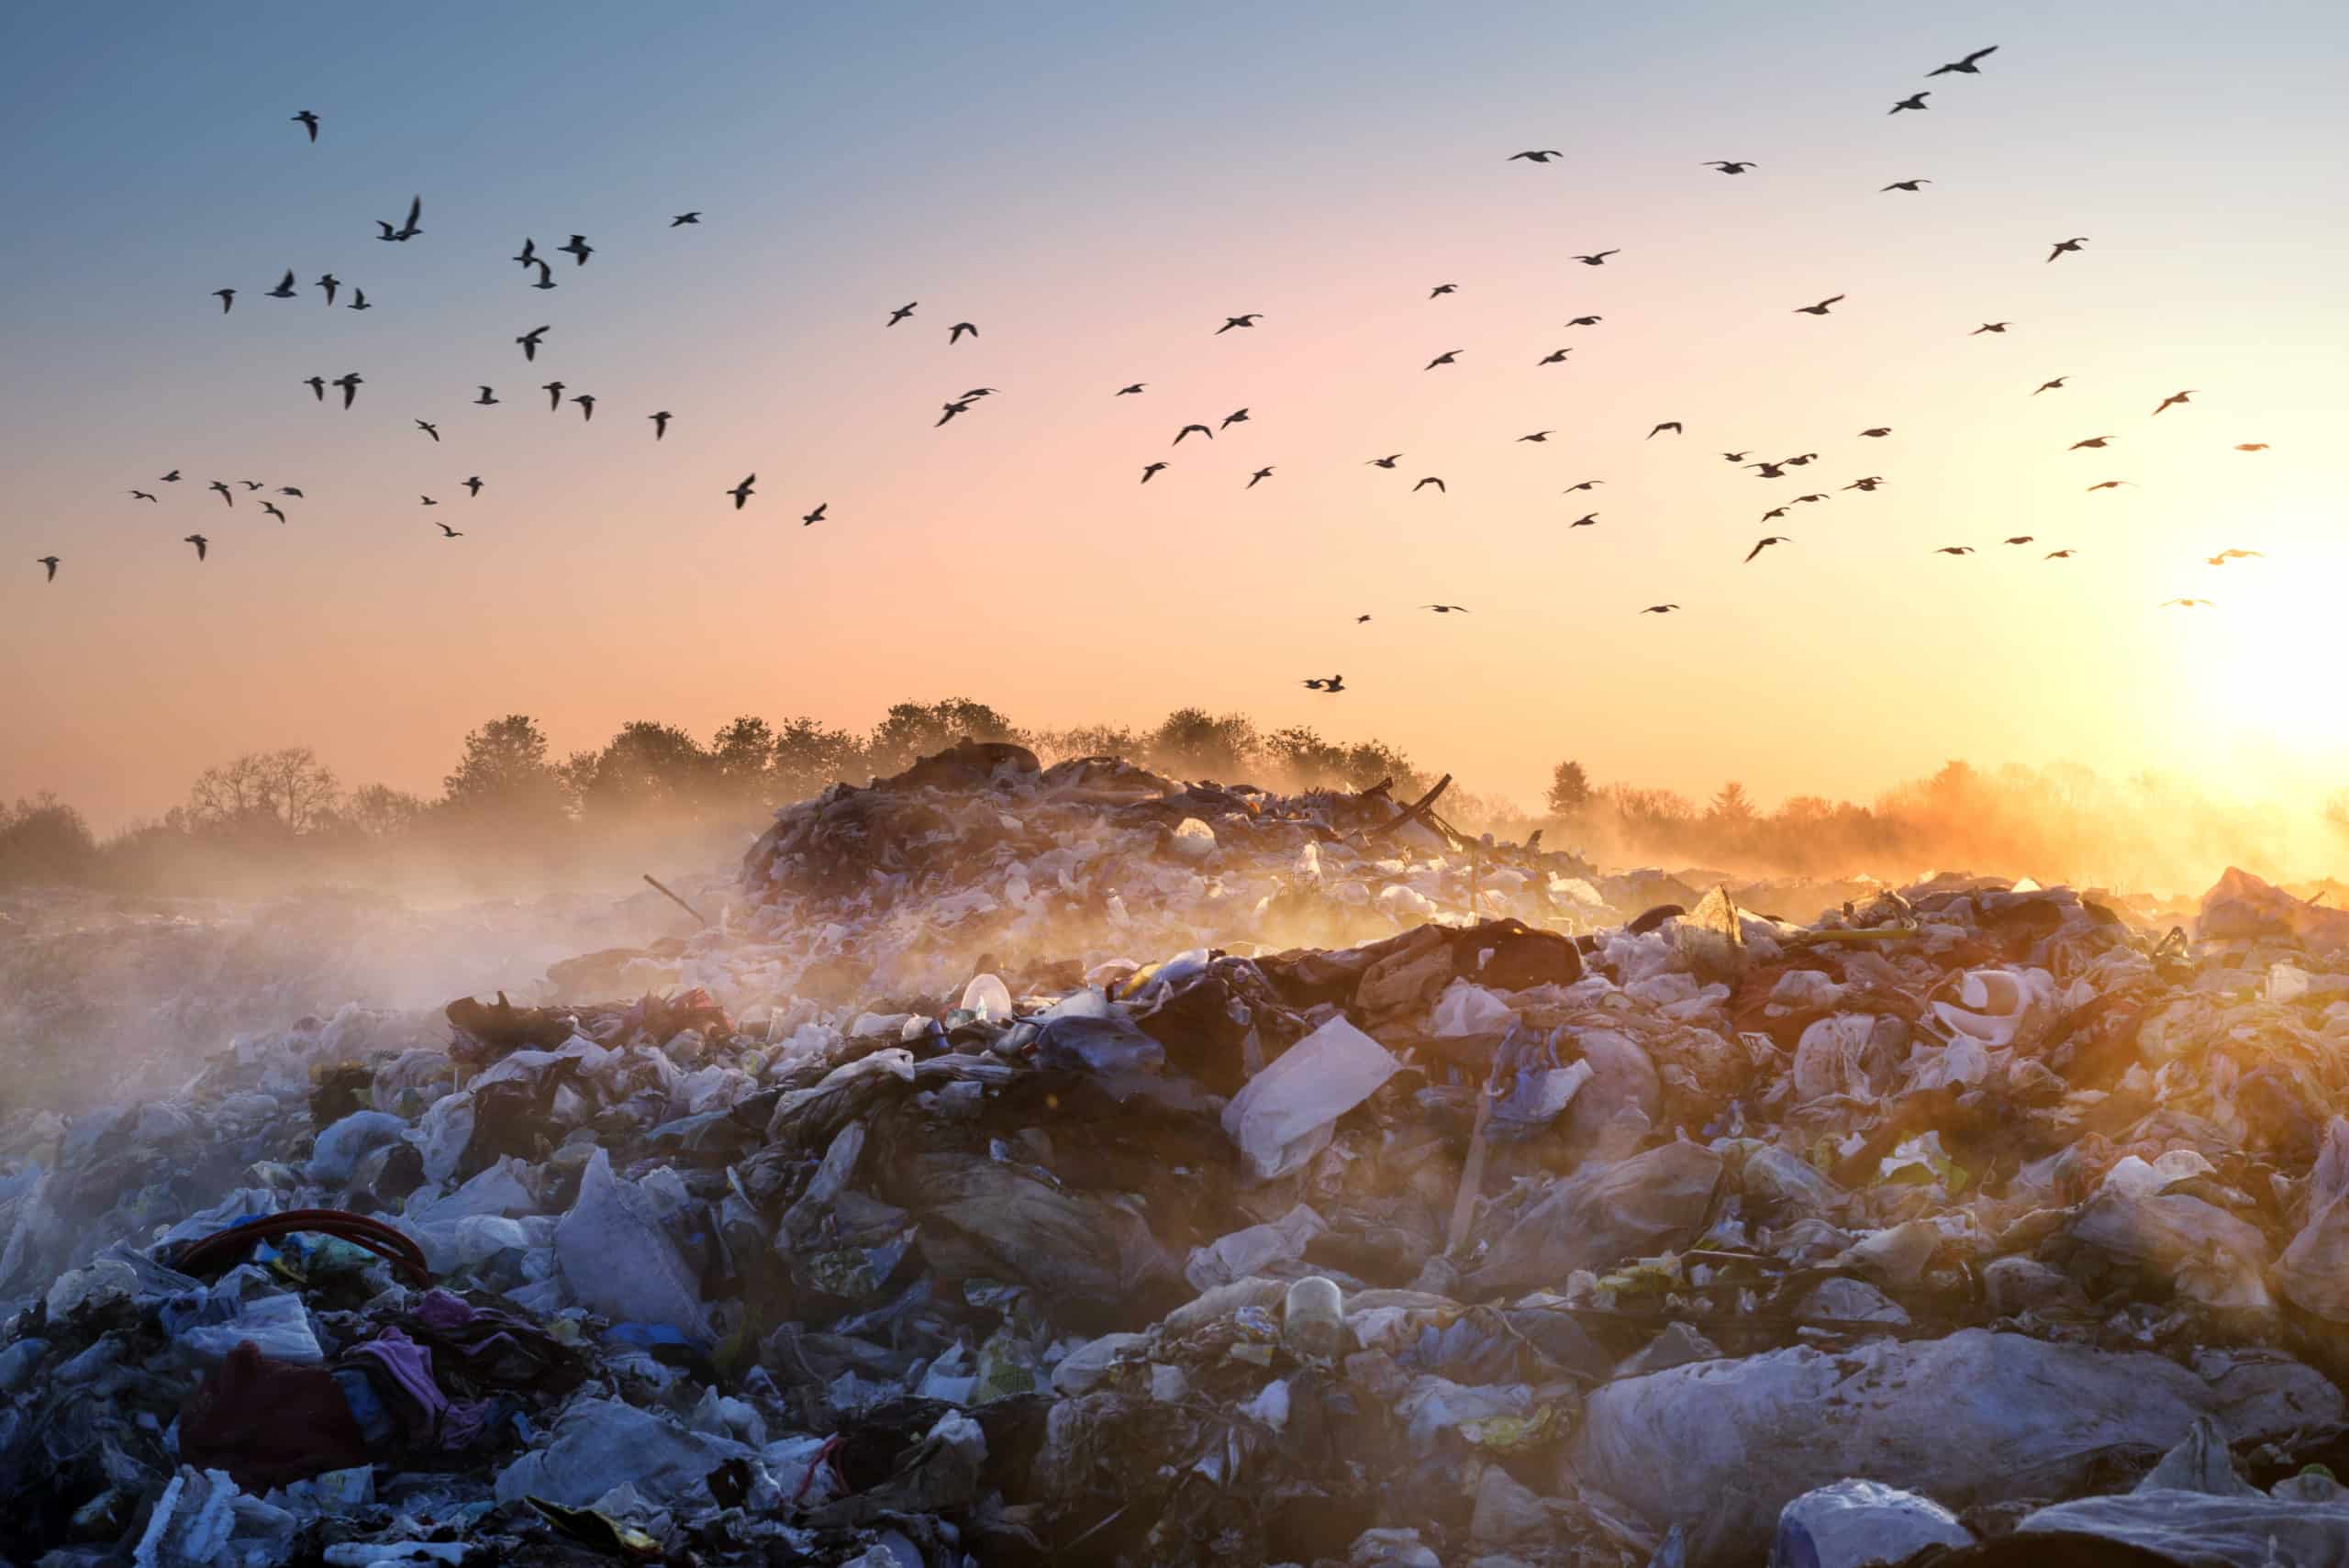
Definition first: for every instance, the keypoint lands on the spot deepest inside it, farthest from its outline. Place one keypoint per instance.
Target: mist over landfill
(1658, 883)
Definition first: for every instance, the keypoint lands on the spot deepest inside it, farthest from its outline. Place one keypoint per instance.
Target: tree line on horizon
(511, 806)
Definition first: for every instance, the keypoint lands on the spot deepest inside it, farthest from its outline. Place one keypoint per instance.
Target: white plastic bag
(1285, 1115)
(619, 1260)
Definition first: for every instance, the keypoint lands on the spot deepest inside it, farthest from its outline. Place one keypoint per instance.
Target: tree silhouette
(1569, 789)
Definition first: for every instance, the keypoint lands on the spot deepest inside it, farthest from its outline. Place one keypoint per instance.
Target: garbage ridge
(1069, 1165)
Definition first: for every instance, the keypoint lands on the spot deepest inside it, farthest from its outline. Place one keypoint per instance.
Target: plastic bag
(339, 1148)
(1602, 1215)
(1859, 1524)
(278, 1325)
(2314, 1269)
(1285, 1115)
(618, 1259)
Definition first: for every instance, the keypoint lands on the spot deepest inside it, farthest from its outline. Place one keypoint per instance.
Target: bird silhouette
(1554, 357)
(960, 406)
(1728, 166)
(227, 496)
(1877, 431)
(429, 429)
(142, 495)
(979, 392)
(407, 229)
(812, 518)
(1583, 485)
(308, 122)
(428, 500)
(1735, 457)
(2109, 484)
(1913, 101)
(546, 275)
(1443, 289)
(1868, 485)
(2187, 604)
(1187, 429)
(201, 543)
(1542, 156)
(250, 484)
(742, 492)
(1965, 66)
(2174, 397)
(901, 313)
(1257, 478)
(660, 423)
(1773, 514)
(1230, 321)
(1814, 495)
(228, 298)
(1766, 470)
(170, 478)
(1904, 185)
(530, 339)
(1152, 471)
(586, 401)
(318, 386)
(1129, 391)
(2250, 446)
(578, 248)
(2092, 442)
(1588, 520)
(473, 486)
(1237, 417)
(1598, 259)
(2019, 539)
(51, 561)
(1431, 479)
(554, 391)
(1818, 309)
(1766, 542)
(1799, 460)
(289, 490)
(2064, 554)
(1586, 321)
(529, 256)
(1315, 684)
(1659, 609)
(350, 384)
(446, 531)
(1998, 327)
(487, 398)
(359, 300)
(2226, 555)
(1359, 619)
(271, 507)
(684, 217)
(1448, 356)
(2049, 385)
(1671, 425)
(329, 282)
(284, 289)
(1445, 609)
(1537, 436)
(2063, 245)
(954, 333)
(1955, 550)
(1386, 462)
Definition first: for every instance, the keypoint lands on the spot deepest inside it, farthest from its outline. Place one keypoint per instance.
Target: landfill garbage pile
(1962, 1226)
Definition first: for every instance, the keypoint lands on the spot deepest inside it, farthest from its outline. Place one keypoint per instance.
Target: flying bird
(1659, 609)
(1583, 485)
(2176, 397)
(2091, 441)
(1359, 619)
(308, 122)
(1799, 460)
(1230, 321)
(954, 333)
(446, 531)
(1877, 431)
(329, 282)
(1814, 495)
(2063, 245)
(1445, 609)
(1955, 550)
(1818, 309)
(350, 384)
(2064, 554)
(979, 392)
(1543, 156)
(407, 229)
(742, 492)
(318, 386)
(1773, 514)
(1904, 185)
(171, 478)
(359, 300)
(228, 298)
(271, 507)
(228, 497)
(2226, 555)
(2049, 385)
(486, 397)
(289, 490)
(250, 484)
(1537, 436)
(1671, 425)
(586, 401)
(1554, 357)
(1869, 484)
(578, 248)
(1967, 65)
(660, 423)
(684, 217)
(473, 486)
(1766, 470)
(2019, 539)
(2187, 604)
(1187, 429)
(1257, 478)
(2109, 484)
(960, 406)
(429, 429)
(812, 518)
(1998, 327)
(1588, 520)
(1586, 321)
(1237, 417)
(1728, 166)
(1129, 391)
(142, 495)
(1765, 543)
(1152, 471)
(1735, 457)
(529, 256)
(546, 275)
(1914, 101)
(1431, 479)
(554, 391)
(901, 313)
(199, 541)
(2250, 446)
(51, 561)
(1386, 462)
(1448, 356)
(1443, 289)
(529, 341)
(284, 289)
(428, 500)
(1600, 259)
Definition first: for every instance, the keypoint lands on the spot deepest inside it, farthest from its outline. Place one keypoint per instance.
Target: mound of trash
(1962, 1224)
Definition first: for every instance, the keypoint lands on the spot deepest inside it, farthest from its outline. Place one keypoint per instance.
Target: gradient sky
(1098, 187)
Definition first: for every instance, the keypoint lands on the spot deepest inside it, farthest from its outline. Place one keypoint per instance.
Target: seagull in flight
(529, 341)
(2226, 555)
(1955, 550)
(271, 507)
(51, 561)
(2019, 539)
(2063, 245)
(487, 398)
(472, 485)
(2064, 554)
(1386, 462)
(170, 478)
(2109, 484)
(329, 282)
(1237, 417)
(578, 248)
(546, 275)
(228, 497)
(1990, 327)
(2176, 397)
(1767, 469)
(1728, 166)
(1187, 429)
(407, 229)
(429, 429)
(1588, 520)
(2187, 604)
(1868, 485)
(250, 484)
(349, 384)
(529, 256)
(359, 300)
(1765, 543)
(684, 217)
(660, 423)
(1735, 457)
(1814, 495)
(1913, 101)
(960, 406)
(1598, 259)
(228, 298)
(1359, 619)
(142, 495)
(1583, 485)
(1152, 471)
(586, 401)
(318, 386)
(1799, 460)
(1129, 391)
(284, 289)
(198, 541)
(1965, 66)
(1541, 156)
(1659, 609)
(1450, 356)
(1671, 425)
(2097, 441)
(2049, 385)
(1431, 479)
(1904, 185)
(812, 518)
(1537, 436)
(742, 492)
(428, 500)
(1877, 431)
(901, 313)
(1773, 514)
(554, 391)
(1445, 609)
(1443, 289)
(289, 490)
(1555, 357)
(954, 333)
(2250, 446)
(1818, 309)
(1586, 321)
(1257, 478)
(446, 531)
(308, 121)
(1230, 321)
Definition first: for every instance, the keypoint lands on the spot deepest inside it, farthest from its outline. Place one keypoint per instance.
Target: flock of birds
(578, 248)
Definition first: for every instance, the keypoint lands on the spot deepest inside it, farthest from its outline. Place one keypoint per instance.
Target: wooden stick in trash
(678, 901)
(1472, 1174)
